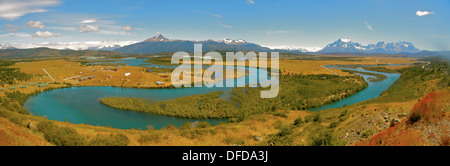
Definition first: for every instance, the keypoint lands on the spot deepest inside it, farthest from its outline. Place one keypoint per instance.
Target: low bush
(280, 114)
(110, 140)
(151, 137)
(298, 121)
(61, 136)
(367, 133)
(324, 138)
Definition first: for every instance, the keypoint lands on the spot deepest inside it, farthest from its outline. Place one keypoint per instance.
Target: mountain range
(346, 45)
(159, 43)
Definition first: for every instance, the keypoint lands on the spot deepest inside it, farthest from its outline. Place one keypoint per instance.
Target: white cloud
(88, 21)
(225, 25)
(251, 2)
(13, 9)
(15, 35)
(297, 48)
(113, 32)
(368, 26)
(216, 15)
(11, 28)
(88, 28)
(63, 28)
(77, 45)
(36, 24)
(423, 13)
(45, 34)
(127, 28)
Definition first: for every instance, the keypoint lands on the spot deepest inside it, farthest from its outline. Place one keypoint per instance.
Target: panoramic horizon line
(117, 42)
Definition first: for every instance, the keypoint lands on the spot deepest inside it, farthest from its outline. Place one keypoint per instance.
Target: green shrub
(280, 114)
(110, 140)
(284, 131)
(186, 125)
(343, 113)
(325, 138)
(203, 124)
(282, 138)
(367, 133)
(317, 118)
(298, 121)
(195, 133)
(152, 137)
(233, 120)
(61, 136)
(333, 125)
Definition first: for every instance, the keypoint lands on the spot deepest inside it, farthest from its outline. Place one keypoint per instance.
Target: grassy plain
(66, 71)
(305, 66)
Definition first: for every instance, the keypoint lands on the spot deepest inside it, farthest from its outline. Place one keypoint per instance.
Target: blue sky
(266, 22)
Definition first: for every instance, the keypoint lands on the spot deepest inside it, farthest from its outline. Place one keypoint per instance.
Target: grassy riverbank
(378, 77)
(195, 106)
(297, 92)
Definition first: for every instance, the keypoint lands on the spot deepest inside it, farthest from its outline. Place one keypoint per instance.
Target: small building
(23, 86)
(159, 83)
(2, 89)
(12, 88)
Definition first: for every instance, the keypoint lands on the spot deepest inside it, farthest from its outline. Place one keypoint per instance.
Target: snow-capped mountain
(157, 38)
(159, 44)
(90, 45)
(6, 46)
(343, 45)
(296, 48)
(346, 45)
(393, 47)
(231, 41)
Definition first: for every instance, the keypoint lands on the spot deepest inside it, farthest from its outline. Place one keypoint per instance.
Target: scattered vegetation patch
(324, 137)
(298, 121)
(11, 75)
(196, 106)
(378, 77)
(61, 136)
(282, 138)
(110, 140)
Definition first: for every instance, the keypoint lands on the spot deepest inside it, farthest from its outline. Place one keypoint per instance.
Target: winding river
(80, 105)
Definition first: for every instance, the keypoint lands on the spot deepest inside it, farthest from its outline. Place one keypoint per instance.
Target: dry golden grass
(315, 67)
(64, 71)
(14, 135)
(258, 125)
